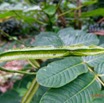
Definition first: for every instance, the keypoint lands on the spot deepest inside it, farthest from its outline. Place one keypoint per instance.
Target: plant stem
(59, 11)
(70, 11)
(100, 80)
(97, 76)
(34, 63)
(77, 15)
(14, 71)
(79, 7)
(33, 87)
(62, 19)
(31, 91)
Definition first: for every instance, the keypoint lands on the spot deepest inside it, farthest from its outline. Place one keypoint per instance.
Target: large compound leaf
(80, 90)
(74, 37)
(61, 72)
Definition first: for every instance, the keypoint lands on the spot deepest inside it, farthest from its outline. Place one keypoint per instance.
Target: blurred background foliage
(51, 15)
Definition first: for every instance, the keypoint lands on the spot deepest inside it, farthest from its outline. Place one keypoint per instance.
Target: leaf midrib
(62, 71)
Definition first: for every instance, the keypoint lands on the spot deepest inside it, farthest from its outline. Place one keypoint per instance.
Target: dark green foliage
(10, 96)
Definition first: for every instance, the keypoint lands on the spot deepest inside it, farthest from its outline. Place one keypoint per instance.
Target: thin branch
(71, 10)
(31, 91)
(14, 71)
(79, 7)
(96, 75)
(62, 18)
(77, 15)
(34, 63)
(33, 87)
(100, 80)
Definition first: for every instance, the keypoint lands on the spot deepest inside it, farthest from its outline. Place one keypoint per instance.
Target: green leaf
(75, 37)
(23, 16)
(50, 9)
(21, 91)
(96, 12)
(101, 39)
(88, 2)
(98, 97)
(67, 36)
(10, 96)
(71, 6)
(94, 60)
(47, 38)
(61, 72)
(99, 69)
(80, 90)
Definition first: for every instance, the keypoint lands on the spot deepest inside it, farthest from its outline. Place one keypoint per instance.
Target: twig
(77, 15)
(71, 10)
(96, 75)
(31, 91)
(14, 71)
(62, 19)
(100, 80)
